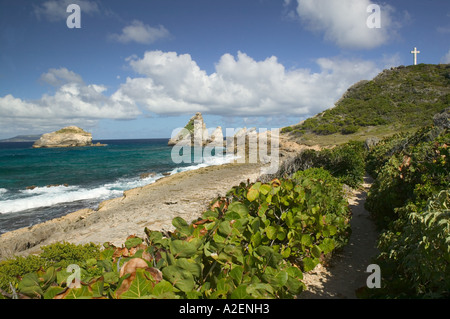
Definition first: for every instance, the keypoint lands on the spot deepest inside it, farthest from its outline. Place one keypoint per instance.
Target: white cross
(415, 52)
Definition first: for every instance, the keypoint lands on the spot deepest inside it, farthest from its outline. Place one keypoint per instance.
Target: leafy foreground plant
(254, 243)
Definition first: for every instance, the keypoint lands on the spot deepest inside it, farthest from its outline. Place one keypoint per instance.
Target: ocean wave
(49, 196)
(207, 161)
(3, 191)
(40, 197)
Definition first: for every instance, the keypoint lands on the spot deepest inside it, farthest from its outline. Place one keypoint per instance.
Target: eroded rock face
(70, 136)
(194, 133)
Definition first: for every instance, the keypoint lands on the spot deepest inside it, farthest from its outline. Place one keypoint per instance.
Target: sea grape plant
(255, 242)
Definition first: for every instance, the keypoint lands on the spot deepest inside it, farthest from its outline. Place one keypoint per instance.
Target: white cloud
(344, 22)
(171, 84)
(446, 58)
(58, 77)
(55, 10)
(73, 102)
(140, 33)
(391, 60)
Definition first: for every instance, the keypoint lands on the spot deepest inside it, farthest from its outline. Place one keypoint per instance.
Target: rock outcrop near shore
(196, 133)
(70, 136)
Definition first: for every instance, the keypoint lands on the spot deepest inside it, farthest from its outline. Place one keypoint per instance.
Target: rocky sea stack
(195, 132)
(70, 136)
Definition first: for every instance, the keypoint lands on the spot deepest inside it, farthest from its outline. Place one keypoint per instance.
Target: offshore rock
(70, 136)
(195, 132)
(216, 136)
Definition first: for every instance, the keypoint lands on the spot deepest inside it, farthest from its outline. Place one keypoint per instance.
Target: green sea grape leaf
(106, 254)
(271, 232)
(286, 252)
(240, 293)
(252, 194)
(316, 251)
(306, 240)
(194, 268)
(327, 245)
(52, 291)
(263, 208)
(294, 286)
(237, 273)
(265, 189)
(239, 208)
(256, 239)
(111, 277)
(260, 290)
(294, 272)
(162, 288)
(281, 233)
(97, 287)
(184, 249)
(182, 226)
(224, 228)
(140, 286)
(133, 242)
(30, 285)
(48, 278)
(309, 263)
(79, 293)
(180, 278)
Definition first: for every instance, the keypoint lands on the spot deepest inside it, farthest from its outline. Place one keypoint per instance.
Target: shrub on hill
(410, 202)
(406, 97)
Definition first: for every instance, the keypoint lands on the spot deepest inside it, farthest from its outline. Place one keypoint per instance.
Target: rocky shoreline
(185, 194)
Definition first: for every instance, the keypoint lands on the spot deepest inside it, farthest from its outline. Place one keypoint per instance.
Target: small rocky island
(70, 136)
(196, 129)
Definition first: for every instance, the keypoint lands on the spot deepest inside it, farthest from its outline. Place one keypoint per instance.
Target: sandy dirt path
(347, 270)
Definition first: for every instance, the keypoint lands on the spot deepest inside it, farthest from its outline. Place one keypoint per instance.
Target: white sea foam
(206, 161)
(48, 196)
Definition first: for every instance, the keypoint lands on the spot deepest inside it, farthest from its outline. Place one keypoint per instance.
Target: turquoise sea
(37, 185)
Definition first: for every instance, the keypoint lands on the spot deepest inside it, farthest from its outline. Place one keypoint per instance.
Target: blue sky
(140, 69)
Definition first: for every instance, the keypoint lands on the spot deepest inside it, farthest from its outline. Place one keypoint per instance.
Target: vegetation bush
(254, 243)
(287, 129)
(56, 255)
(416, 252)
(410, 202)
(345, 162)
(406, 97)
(416, 169)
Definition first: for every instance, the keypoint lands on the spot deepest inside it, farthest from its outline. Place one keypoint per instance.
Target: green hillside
(399, 99)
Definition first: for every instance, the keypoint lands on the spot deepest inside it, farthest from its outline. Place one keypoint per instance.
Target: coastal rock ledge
(70, 136)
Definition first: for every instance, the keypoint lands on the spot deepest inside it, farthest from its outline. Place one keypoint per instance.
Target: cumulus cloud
(140, 33)
(344, 22)
(73, 102)
(169, 83)
(58, 77)
(446, 58)
(55, 10)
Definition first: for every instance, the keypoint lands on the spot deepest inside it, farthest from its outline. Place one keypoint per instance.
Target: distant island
(21, 138)
(71, 136)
